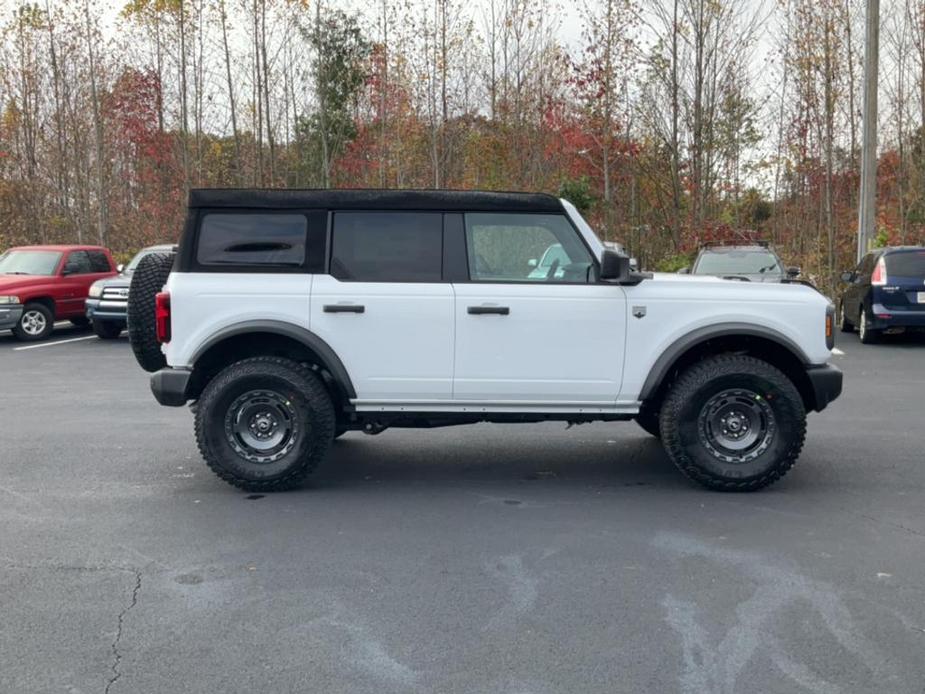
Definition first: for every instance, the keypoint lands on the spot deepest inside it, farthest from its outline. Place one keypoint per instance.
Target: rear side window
(78, 263)
(272, 240)
(906, 264)
(98, 261)
(387, 246)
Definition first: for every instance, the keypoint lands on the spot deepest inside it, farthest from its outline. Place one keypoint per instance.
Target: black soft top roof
(366, 199)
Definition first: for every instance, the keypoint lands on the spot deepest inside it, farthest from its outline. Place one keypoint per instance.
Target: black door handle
(483, 310)
(344, 308)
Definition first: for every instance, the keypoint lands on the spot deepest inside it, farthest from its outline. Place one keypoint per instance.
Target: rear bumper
(826, 382)
(109, 311)
(10, 315)
(169, 386)
(897, 319)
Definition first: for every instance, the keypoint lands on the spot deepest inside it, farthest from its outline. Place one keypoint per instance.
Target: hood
(10, 283)
(117, 281)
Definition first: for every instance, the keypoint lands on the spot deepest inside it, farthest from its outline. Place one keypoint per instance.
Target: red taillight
(878, 278)
(162, 316)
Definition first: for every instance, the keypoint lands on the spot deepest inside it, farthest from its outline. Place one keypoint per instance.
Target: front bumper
(169, 386)
(109, 311)
(826, 382)
(10, 315)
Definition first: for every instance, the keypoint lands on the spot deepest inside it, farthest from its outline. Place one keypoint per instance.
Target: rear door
(857, 291)
(76, 277)
(525, 338)
(384, 308)
(905, 280)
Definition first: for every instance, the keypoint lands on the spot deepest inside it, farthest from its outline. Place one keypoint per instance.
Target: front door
(533, 326)
(384, 309)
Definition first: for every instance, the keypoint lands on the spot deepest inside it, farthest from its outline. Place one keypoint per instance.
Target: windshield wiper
(15, 272)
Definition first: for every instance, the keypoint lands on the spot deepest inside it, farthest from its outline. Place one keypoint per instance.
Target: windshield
(29, 262)
(906, 264)
(737, 262)
(137, 259)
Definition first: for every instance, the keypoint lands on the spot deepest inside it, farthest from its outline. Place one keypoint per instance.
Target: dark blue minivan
(885, 294)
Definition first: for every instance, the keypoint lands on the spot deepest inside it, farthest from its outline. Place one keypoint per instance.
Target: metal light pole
(868, 198)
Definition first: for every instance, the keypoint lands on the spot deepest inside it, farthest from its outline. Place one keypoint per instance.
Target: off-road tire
(20, 332)
(845, 325)
(147, 280)
(867, 335)
(684, 406)
(647, 419)
(313, 419)
(107, 330)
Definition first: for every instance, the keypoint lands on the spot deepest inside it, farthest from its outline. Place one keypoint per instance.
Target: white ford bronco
(291, 317)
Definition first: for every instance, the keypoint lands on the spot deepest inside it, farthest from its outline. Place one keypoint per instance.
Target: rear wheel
(867, 334)
(107, 330)
(36, 323)
(264, 424)
(733, 423)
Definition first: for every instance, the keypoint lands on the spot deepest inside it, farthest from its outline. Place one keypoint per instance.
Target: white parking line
(836, 351)
(52, 344)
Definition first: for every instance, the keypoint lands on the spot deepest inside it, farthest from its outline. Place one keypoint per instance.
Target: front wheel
(107, 330)
(263, 424)
(36, 323)
(733, 423)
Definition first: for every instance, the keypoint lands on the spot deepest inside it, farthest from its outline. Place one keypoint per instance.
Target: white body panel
(677, 305)
(401, 346)
(560, 343)
(207, 303)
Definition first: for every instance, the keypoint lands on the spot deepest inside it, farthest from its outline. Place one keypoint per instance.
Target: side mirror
(793, 271)
(532, 262)
(614, 267)
(847, 277)
(684, 271)
(120, 268)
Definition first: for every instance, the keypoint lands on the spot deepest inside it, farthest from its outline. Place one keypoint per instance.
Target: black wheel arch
(742, 338)
(270, 338)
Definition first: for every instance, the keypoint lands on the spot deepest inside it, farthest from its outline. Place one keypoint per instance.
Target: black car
(107, 305)
(754, 262)
(885, 293)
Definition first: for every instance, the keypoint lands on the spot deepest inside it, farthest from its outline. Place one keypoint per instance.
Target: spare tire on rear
(148, 279)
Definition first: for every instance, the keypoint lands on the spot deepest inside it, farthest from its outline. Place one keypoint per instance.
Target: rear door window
(78, 263)
(252, 239)
(387, 246)
(98, 261)
(906, 264)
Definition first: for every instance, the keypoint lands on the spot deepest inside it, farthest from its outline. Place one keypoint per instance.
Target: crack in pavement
(116, 655)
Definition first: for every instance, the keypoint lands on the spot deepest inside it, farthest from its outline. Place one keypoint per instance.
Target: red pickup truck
(42, 284)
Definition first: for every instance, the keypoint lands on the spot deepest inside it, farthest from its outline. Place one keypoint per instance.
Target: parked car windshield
(137, 259)
(906, 263)
(737, 262)
(29, 262)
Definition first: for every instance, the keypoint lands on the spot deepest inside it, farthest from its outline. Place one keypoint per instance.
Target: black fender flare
(666, 360)
(326, 355)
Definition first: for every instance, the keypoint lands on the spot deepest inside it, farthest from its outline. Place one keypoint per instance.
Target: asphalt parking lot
(472, 559)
